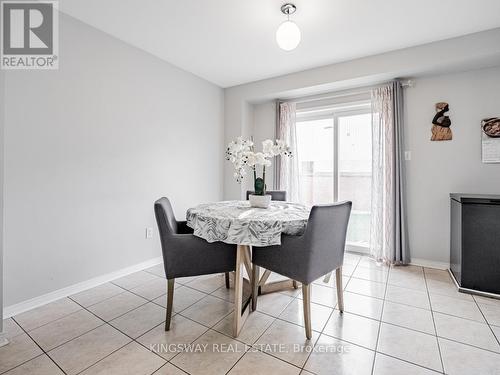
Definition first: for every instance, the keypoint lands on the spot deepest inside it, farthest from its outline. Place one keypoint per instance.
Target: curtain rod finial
(408, 83)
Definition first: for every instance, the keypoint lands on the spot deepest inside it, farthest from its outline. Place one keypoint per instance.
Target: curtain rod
(408, 83)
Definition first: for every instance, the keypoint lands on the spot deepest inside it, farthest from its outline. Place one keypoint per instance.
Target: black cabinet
(475, 242)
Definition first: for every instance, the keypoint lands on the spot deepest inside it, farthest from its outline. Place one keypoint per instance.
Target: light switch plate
(407, 155)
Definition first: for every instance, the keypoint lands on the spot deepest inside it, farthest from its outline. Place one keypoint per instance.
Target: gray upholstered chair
(187, 255)
(305, 258)
(276, 195)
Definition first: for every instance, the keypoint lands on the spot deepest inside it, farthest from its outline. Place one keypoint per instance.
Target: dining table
(236, 222)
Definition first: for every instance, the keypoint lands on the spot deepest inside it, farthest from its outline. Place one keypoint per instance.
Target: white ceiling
(230, 42)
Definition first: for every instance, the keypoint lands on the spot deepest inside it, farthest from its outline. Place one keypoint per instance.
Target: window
(334, 148)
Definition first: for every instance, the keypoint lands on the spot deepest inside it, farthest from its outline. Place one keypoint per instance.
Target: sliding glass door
(335, 152)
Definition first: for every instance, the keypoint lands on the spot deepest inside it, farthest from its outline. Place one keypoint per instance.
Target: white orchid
(241, 154)
(268, 147)
(261, 159)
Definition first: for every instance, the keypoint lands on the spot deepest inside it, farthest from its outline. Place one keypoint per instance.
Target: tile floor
(404, 320)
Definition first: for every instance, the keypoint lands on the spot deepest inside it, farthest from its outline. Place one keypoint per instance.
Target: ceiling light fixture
(288, 33)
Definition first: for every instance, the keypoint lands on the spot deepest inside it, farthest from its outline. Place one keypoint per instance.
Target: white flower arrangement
(241, 153)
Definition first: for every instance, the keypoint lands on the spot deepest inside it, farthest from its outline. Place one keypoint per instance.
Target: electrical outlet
(407, 155)
(149, 233)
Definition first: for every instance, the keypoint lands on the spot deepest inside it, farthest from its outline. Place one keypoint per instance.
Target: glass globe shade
(288, 35)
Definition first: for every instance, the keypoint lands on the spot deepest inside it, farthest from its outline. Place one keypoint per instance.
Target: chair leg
(295, 284)
(340, 289)
(227, 280)
(306, 300)
(255, 286)
(170, 300)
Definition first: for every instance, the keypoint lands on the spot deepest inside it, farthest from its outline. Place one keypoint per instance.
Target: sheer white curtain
(388, 229)
(287, 169)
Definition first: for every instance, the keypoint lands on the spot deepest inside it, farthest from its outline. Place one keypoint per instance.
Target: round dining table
(236, 222)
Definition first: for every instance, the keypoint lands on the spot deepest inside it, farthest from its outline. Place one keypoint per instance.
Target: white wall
(440, 168)
(88, 150)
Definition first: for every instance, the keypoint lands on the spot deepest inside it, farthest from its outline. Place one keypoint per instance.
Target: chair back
(165, 218)
(276, 195)
(326, 236)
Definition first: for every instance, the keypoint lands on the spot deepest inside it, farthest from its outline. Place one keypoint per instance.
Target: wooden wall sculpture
(441, 123)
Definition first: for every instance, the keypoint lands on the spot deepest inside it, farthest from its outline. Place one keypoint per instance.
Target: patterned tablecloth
(235, 222)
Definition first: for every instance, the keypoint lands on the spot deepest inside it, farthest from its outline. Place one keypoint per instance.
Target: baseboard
(76, 288)
(430, 264)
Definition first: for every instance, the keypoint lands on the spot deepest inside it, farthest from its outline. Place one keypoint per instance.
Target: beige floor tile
(41, 365)
(134, 279)
(183, 298)
(167, 344)
(351, 258)
(407, 296)
(446, 288)
(254, 326)
(117, 305)
(385, 365)
(412, 346)
(487, 301)
(208, 311)
(157, 270)
(228, 294)
(258, 363)
(332, 282)
(435, 274)
(323, 295)
(408, 270)
(132, 359)
(273, 303)
(84, 351)
(491, 312)
(169, 369)
(456, 307)
(208, 283)
(139, 321)
(47, 313)
(496, 331)
(11, 328)
(409, 317)
(291, 292)
(363, 305)
(220, 355)
(274, 276)
(151, 289)
(294, 313)
(409, 280)
(19, 350)
(366, 262)
(353, 328)
(65, 329)
(95, 295)
(378, 275)
(466, 331)
(334, 356)
(367, 288)
(460, 359)
(186, 280)
(282, 340)
(347, 271)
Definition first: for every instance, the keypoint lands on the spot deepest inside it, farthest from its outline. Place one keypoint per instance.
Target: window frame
(362, 108)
